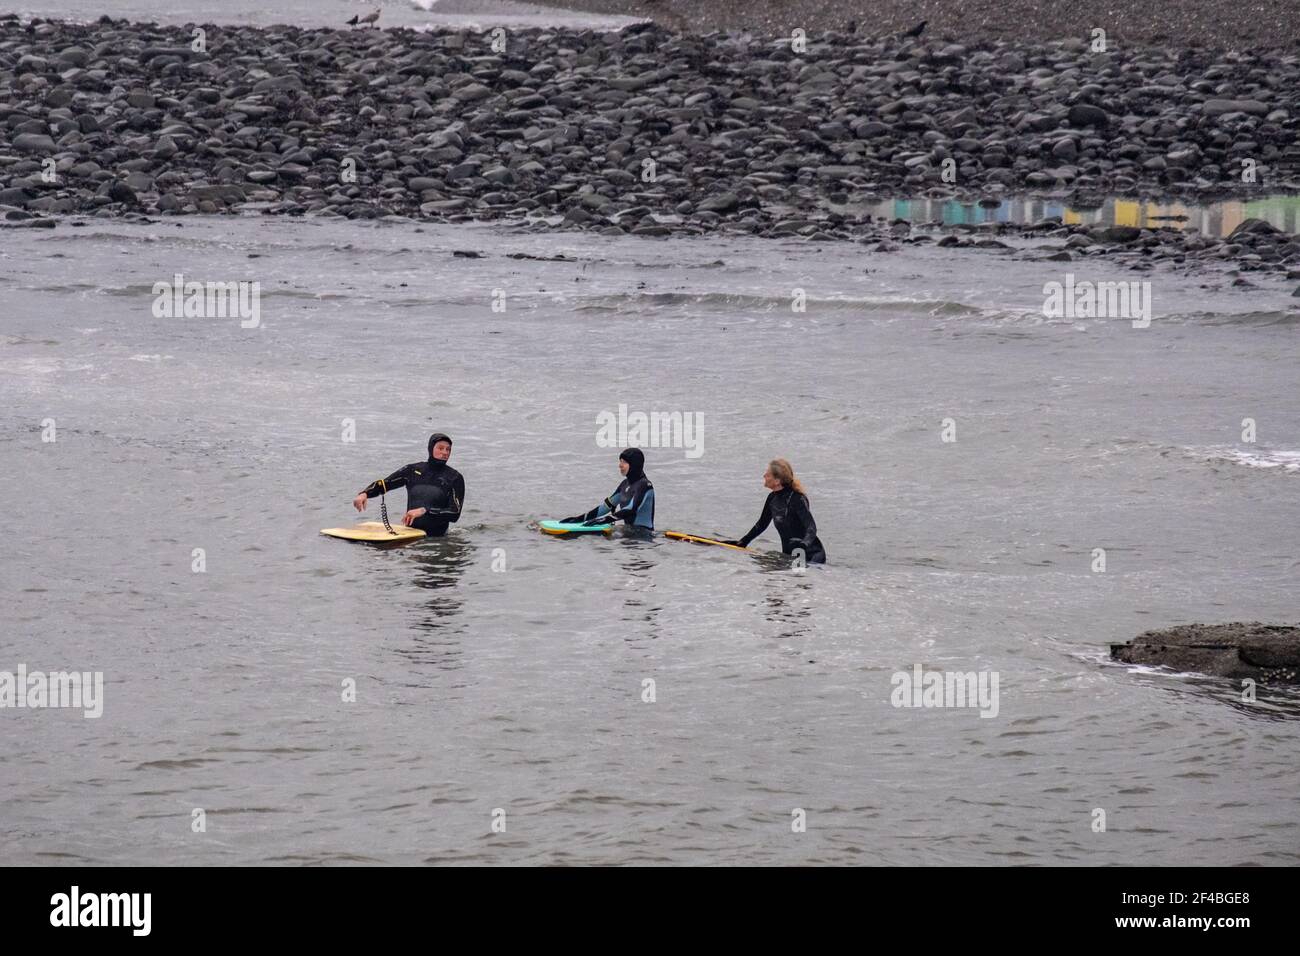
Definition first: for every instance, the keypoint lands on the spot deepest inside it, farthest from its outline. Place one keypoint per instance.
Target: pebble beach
(642, 131)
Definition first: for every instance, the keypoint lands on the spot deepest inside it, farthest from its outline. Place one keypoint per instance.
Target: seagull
(916, 30)
(356, 18)
(369, 19)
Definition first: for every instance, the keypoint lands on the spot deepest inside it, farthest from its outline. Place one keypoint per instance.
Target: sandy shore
(1213, 23)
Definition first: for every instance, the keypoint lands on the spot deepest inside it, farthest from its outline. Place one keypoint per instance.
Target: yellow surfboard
(374, 532)
(697, 539)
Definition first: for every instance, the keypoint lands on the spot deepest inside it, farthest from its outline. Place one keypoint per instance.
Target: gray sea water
(499, 669)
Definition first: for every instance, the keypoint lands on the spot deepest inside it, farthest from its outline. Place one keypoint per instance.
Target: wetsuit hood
(635, 459)
(433, 440)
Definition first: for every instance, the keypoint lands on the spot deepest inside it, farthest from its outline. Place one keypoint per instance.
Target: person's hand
(576, 519)
(603, 519)
(734, 542)
(359, 502)
(412, 515)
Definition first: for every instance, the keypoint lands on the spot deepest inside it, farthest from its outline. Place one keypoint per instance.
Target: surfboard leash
(383, 505)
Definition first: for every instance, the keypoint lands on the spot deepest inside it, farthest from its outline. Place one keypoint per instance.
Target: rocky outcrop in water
(638, 132)
(1267, 653)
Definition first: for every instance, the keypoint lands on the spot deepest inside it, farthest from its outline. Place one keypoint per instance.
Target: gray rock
(1219, 107)
(1253, 227)
(34, 143)
(472, 93)
(16, 196)
(725, 202)
(1065, 149)
(73, 56)
(121, 192)
(1266, 653)
(175, 52)
(288, 82)
(1119, 234)
(868, 128)
(1084, 114)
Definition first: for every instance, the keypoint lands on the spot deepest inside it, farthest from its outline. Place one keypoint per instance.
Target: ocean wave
(1283, 317)
(145, 290)
(1266, 459)
(732, 302)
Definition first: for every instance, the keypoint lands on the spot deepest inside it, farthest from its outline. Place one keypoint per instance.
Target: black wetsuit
(633, 501)
(794, 523)
(431, 484)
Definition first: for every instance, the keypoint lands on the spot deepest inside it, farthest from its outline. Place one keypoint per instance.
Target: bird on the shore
(369, 19)
(356, 18)
(916, 30)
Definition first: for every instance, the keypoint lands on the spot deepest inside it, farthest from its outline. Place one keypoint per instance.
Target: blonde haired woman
(787, 507)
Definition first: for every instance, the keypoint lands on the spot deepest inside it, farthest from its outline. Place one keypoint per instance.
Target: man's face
(442, 450)
(622, 467)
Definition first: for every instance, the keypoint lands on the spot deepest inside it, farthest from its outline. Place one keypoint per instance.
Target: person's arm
(604, 508)
(760, 526)
(396, 480)
(457, 499)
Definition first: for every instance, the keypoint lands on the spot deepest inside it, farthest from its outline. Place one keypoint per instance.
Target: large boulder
(1267, 653)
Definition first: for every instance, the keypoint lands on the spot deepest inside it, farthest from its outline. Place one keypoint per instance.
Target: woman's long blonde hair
(783, 472)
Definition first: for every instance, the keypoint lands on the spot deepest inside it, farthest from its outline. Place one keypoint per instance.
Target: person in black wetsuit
(435, 491)
(787, 507)
(633, 501)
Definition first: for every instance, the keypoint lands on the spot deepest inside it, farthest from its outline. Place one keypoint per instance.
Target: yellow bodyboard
(683, 536)
(374, 532)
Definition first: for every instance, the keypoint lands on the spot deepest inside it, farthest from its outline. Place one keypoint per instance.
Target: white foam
(1286, 460)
